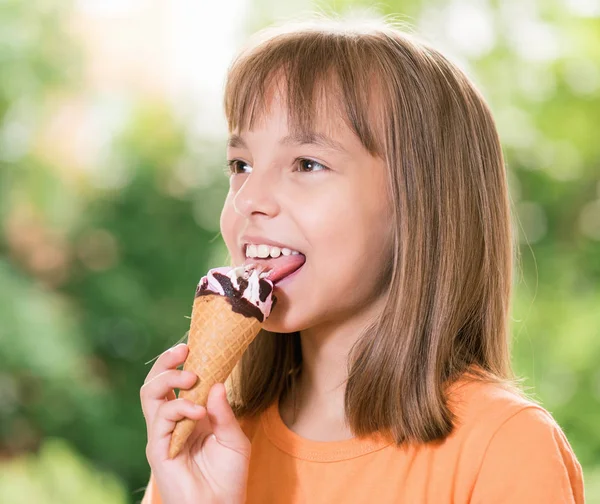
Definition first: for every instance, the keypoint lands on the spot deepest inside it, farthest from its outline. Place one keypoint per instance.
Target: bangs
(321, 77)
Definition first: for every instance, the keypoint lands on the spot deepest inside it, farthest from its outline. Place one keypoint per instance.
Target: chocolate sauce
(243, 284)
(264, 289)
(201, 286)
(234, 296)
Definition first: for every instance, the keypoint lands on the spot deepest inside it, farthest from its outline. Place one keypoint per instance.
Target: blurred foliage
(97, 269)
(57, 474)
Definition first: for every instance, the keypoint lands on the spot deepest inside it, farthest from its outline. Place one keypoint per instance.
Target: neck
(325, 350)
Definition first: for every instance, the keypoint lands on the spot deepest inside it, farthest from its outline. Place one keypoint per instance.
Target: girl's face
(327, 202)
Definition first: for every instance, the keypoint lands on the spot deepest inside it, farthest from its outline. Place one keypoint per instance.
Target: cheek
(348, 245)
(228, 227)
(340, 232)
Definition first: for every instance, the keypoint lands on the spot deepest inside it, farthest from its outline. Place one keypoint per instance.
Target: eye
(235, 167)
(310, 166)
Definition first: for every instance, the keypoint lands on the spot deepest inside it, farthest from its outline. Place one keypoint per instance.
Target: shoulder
(528, 459)
(477, 401)
(521, 454)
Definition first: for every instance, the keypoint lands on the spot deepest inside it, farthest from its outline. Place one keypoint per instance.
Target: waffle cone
(217, 339)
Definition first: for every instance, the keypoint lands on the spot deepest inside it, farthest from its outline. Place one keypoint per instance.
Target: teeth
(264, 251)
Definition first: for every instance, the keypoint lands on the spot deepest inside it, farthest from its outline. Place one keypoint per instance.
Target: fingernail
(189, 375)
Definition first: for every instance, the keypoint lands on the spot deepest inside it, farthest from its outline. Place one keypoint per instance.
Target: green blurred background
(112, 143)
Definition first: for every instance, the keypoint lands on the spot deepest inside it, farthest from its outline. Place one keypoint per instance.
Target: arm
(529, 461)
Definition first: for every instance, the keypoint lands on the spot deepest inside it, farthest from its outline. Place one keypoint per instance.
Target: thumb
(224, 424)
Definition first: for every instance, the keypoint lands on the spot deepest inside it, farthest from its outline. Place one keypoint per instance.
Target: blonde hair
(448, 298)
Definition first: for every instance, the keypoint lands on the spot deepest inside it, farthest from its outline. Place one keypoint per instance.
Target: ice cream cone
(217, 339)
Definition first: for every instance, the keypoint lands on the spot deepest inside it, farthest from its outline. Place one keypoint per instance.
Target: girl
(383, 373)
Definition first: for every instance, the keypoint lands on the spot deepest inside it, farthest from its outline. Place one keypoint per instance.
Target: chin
(275, 324)
(282, 320)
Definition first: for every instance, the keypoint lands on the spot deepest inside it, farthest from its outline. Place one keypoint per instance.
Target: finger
(164, 423)
(154, 392)
(225, 426)
(202, 429)
(169, 359)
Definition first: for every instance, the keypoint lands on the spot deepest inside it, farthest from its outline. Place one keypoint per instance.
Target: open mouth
(281, 267)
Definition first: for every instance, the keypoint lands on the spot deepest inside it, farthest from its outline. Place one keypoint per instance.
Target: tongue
(282, 266)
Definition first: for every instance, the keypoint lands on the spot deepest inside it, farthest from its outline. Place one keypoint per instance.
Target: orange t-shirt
(504, 449)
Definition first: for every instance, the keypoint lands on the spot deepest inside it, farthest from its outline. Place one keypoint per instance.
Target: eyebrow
(304, 138)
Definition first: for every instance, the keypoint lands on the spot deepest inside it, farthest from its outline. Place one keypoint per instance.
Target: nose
(257, 195)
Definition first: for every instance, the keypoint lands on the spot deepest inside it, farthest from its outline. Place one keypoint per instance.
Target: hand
(212, 467)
